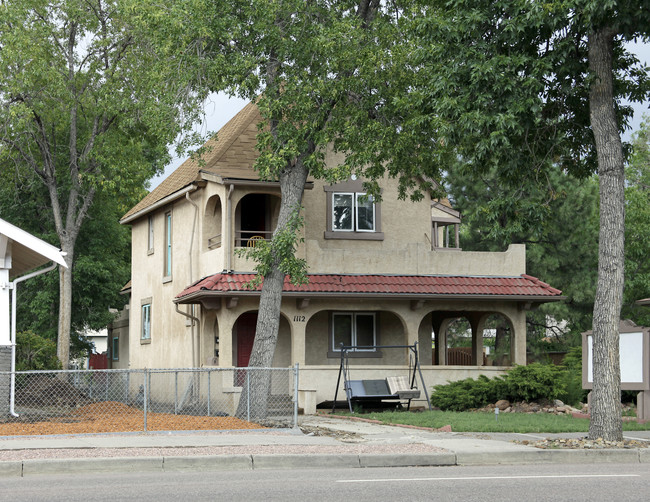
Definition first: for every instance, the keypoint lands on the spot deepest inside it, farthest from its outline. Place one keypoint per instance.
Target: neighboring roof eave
(21, 238)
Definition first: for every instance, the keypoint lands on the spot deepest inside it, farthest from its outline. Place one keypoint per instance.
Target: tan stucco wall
(304, 330)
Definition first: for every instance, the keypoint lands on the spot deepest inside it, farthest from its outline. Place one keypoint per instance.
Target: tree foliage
(558, 223)
(325, 74)
(83, 109)
(637, 227)
(520, 86)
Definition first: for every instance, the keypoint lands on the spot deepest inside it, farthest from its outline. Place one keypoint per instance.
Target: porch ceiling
(524, 288)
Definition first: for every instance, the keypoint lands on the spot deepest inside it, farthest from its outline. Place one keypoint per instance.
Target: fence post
(248, 394)
(176, 393)
(209, 374)
(127, 387)
(146, 397)
(295, 397)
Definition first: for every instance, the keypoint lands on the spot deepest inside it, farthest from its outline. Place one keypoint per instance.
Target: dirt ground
(117, 417)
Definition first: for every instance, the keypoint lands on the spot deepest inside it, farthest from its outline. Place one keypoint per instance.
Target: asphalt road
(593, 482)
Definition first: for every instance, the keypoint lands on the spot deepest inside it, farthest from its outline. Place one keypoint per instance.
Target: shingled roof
(523, 287)
(230, 155)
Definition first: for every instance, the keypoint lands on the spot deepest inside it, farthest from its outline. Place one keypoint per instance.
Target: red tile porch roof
(523, 288)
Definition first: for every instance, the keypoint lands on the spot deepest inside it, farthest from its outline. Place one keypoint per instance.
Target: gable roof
(27, 251)
(523, 287)
(231, 154)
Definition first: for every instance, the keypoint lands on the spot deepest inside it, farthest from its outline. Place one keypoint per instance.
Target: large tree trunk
(253, 403)
(606, 419)
(65, 308)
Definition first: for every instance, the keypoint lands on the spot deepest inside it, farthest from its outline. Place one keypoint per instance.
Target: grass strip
(465, 421)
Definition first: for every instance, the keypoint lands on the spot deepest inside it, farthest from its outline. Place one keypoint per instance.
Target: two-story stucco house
(388, 273)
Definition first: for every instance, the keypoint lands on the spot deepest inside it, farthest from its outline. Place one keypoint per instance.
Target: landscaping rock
(502, 404)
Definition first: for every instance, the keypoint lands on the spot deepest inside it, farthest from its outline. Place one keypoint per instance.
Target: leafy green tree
(83, 108)
(101, 267)
(323, 73)
(637, 227)
(510, 83)
(544, 218)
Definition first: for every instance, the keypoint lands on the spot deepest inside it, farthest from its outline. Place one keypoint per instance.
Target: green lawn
(486, 422)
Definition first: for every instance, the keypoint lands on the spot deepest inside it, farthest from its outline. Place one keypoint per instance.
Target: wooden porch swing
(392, 388)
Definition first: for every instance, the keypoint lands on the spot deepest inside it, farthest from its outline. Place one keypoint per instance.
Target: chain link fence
(101, 401)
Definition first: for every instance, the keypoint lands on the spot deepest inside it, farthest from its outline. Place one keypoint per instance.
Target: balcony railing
(214, 242)
(249, 238)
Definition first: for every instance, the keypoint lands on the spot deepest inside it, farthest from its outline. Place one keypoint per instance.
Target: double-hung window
(354, 329)
(145, 333)
(353, 212)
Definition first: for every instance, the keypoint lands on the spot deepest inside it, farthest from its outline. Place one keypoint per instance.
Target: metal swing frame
(379, 390)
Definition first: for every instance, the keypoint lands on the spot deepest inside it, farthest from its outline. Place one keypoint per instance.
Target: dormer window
(352, 213)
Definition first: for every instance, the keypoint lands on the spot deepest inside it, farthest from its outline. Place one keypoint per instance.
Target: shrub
(34, 352)
(469, 393)
(535, 381)
(522, 383)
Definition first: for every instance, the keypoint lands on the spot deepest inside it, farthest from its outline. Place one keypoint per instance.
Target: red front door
(245, 337)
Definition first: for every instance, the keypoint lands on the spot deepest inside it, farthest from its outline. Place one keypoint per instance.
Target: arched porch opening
(212, 218)
(498, 340)
(243, 336)
(256, 217)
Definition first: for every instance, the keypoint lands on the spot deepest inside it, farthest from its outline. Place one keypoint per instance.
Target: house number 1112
(299, 318)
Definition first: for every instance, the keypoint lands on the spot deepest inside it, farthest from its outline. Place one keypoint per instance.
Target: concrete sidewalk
(359, 444)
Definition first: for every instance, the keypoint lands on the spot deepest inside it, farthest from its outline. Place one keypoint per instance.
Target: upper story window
(150, 235)
(167, 274)
(145, 332)
(351, 213)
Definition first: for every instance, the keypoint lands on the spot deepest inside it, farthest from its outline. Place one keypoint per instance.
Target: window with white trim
(354, 329)
(145, 333)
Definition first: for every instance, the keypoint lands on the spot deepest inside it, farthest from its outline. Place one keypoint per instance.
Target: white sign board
(630, 357)
(634, 357)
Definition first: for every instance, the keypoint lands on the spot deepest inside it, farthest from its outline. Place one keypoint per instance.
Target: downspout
(229, 240)
(14, 287)
(196, 355)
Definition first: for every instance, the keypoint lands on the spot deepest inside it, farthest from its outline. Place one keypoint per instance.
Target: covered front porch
(314, 323)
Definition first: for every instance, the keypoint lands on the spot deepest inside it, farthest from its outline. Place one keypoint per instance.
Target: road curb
(407, 460)
(539, 456)
(315, 461)
(308, 461)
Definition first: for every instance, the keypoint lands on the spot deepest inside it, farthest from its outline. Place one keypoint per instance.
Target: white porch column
(5, 324)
